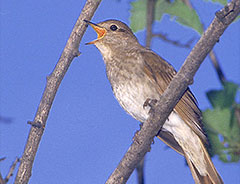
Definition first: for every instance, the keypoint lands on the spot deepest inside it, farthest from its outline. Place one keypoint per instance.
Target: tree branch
(53, 81)
(150, 19)
(159, 113)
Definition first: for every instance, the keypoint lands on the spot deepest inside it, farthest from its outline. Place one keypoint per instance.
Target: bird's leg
(150, 103)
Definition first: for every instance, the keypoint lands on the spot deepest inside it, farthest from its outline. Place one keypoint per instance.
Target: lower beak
(99, 30)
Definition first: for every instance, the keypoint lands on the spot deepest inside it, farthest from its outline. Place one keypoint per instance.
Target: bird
(138, 74)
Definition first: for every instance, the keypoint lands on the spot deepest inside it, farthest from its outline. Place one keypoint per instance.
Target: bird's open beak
(99, 30)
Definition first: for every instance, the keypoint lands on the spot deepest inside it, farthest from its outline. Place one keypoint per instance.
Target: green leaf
(216, 145)
(185, 15)
(160, 8)
(223, 98)
(217, 123)
(178, 10)
(138, 15)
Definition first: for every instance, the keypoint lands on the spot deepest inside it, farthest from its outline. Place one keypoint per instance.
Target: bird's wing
(161, 73)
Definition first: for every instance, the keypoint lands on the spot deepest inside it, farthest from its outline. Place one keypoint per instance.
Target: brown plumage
(137, 74)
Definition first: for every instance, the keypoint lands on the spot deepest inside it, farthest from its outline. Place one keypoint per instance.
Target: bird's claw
(149, 103)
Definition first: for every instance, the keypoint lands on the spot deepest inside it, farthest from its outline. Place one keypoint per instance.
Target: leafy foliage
(221, 123)
(138, 15)
(223, 98)
(178, 11)
(185, 15)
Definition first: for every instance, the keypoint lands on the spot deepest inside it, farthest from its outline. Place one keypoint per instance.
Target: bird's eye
(113, 27)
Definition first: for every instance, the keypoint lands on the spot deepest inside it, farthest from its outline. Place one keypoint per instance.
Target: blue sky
(87, 132)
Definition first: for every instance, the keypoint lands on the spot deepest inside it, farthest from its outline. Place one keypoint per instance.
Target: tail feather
(196, 176)
(179, 136)
(212, 172)
(212, 176)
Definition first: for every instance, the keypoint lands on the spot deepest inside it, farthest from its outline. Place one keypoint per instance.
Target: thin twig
(162, 36)
(188, 3)
(140, 171)
(174, 42)
(150, 34)
(1, 179)
(11, 170)
(150, 19)
(1, 159)
(212, 55)
(143, 139)
(217, 67)
(53, 81)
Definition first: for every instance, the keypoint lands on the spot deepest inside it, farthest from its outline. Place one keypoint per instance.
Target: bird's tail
(212, 176)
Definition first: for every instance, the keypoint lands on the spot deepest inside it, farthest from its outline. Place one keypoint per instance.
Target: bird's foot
(149, 103)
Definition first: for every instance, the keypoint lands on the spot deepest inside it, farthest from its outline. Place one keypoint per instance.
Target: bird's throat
(105, 51)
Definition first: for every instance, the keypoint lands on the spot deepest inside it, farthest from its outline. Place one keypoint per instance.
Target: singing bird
(137, 74)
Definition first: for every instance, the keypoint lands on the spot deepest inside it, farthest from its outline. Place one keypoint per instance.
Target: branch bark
(150, 19)
(53, 81)
(143, 139)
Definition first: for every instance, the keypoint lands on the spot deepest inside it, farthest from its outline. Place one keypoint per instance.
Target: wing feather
(161, 73)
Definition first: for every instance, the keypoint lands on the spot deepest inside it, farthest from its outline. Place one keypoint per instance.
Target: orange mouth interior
(100, 33)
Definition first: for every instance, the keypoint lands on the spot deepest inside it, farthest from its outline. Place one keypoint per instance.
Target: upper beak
(99, 30)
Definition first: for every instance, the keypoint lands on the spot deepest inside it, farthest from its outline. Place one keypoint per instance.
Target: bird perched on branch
(137, 74)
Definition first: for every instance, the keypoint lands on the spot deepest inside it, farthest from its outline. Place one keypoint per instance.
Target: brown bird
(137, 74)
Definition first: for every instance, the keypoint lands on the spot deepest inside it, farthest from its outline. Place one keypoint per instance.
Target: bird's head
(113, 33)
